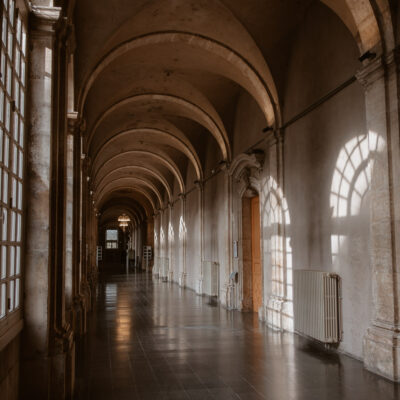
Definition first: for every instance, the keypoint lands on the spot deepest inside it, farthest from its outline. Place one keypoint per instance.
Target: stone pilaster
(171, 239)
(48, 352)
(227, 287)
(182, 238)
(381, 342)
(200, 191)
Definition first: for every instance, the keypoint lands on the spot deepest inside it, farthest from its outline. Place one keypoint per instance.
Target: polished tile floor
(153, 340)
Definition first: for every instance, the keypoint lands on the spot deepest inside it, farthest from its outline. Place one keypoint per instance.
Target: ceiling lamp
(124, 218)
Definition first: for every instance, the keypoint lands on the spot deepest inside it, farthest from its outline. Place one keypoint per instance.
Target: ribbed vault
(160, 85)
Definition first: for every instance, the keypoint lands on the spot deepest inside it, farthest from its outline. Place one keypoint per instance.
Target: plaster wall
(328, 231)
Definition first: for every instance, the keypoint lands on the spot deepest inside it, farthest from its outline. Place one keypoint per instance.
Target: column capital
(199, 185)
(45, 18)
(372, 72)
(73, 122)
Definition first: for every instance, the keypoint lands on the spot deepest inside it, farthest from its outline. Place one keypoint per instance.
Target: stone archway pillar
(382, 340)
(48, 347)
(182, 234)
(200, 191)
(171, 239)
(227, 288)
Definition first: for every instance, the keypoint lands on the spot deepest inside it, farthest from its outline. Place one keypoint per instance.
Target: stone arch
(110, 190)
(142, 169)
(164, 160)
(126, 181)
(187, 108)
(184, 146)
(240, 70)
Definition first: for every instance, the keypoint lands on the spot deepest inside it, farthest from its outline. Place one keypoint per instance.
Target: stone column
(79, 314)
(47, 359)
(69, 200)
(182, 238)
(200, 188)
(170, 249)
(156, 265)
(381, 343)
(227, 289)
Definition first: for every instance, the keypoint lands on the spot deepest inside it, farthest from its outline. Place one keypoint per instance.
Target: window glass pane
(4, 33)
(18, 261)
(3, 300)
(6, 150)
(19, 195)
(23, 40)
(16, 93)
(11, 295)
(15, 159)
(17, 60)
(19, 223)
(14, 196)
(8, 115)
(11, 12)
(5, 224)
(1, 105)
(1, 145)
(17, 291)
(12, 260)
(12, 226)
(5, 187)
(18, 29)
(16, 127)
(21, 164)
(10, 43)
(111, 234)
(3, 262)
(3, 66)
(22, 107)
(9, 77)
(21, 133)
(23, 72)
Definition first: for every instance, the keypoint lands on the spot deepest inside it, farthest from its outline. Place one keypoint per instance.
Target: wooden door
(256, 254)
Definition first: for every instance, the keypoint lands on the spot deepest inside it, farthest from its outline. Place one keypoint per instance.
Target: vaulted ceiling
(158, 80)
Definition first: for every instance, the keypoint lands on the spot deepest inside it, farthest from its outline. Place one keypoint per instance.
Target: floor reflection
(149, 339)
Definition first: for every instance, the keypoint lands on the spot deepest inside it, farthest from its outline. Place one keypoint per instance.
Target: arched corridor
(199, 181)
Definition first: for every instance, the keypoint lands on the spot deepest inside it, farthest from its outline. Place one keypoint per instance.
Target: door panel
(256, 253)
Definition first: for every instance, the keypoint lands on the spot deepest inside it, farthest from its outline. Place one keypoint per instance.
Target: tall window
(12, 139)
(111, 239)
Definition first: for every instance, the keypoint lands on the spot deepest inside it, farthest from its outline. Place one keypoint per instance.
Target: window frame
(14, 92)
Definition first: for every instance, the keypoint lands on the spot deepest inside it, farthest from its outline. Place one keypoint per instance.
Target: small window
(111, 239)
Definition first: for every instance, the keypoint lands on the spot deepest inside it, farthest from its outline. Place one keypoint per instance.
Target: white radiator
(317, 308)
(210, 278)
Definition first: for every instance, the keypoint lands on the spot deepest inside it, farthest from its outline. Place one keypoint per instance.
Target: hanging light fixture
(124, 218)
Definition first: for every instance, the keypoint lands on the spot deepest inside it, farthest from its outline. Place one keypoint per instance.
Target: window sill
(11, 333)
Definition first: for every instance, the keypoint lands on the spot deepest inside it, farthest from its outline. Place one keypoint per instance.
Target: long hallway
(149, 339)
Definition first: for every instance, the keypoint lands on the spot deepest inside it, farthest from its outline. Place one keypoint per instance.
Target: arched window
(12, 155)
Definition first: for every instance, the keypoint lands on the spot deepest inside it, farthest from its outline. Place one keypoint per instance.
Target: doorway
(251, 241)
